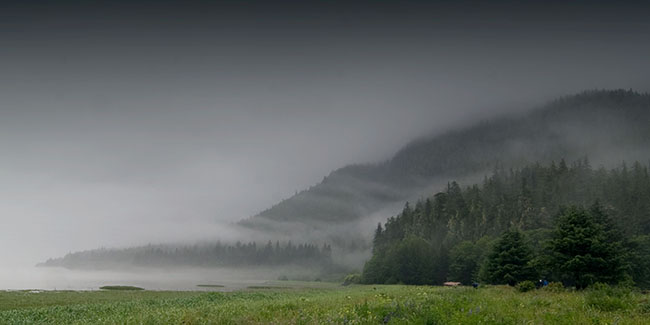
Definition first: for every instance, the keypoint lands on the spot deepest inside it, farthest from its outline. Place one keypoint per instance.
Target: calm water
(55, 278)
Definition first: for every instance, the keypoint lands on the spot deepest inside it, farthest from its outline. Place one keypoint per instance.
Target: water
(56, 278)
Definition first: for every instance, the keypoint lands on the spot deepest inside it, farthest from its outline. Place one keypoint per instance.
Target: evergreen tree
(465, 259)
(378, 238)
(583, 253)
(509, 260)
(640, 261)
(412, 261)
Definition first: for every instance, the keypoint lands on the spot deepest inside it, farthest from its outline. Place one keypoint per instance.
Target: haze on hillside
(124, 123)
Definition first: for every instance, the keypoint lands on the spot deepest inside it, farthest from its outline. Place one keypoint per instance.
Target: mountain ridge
(607, 126)
(585, 124)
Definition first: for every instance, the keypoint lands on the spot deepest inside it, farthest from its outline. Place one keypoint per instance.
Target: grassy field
(308, 303)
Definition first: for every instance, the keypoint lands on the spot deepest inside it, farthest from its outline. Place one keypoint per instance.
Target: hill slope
(606, 126)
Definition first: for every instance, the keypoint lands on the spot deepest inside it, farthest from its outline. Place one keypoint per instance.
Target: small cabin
(451, 284)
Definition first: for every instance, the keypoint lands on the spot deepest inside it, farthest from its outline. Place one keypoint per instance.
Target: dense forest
(204, 255)
(558, 222)
(600, 124)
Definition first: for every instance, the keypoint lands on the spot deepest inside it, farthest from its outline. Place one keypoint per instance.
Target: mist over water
(57, 278)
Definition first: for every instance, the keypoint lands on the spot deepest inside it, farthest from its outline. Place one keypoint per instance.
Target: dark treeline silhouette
(529, 222)
(203, 255)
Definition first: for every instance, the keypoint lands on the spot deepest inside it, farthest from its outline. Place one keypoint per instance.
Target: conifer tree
(584, 251)
(509, 260)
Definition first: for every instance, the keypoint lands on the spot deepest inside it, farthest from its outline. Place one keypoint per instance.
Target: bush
(391, 280)
(283, 278)
(606, 298)
(616, 291)
(555, 287)
(126, 288)
(353, 278)
(644, 307)
(525, 286)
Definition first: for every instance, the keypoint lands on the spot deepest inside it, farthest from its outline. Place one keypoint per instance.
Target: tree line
(204, 255)
(574, 224)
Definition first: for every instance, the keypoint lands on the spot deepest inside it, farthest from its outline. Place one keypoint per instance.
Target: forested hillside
(535, 220)
(607, 126)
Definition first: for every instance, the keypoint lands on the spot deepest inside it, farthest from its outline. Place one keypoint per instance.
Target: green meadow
(326, 303)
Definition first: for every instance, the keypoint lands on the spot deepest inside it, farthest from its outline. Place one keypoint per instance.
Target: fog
(207, 279)
(127, 123)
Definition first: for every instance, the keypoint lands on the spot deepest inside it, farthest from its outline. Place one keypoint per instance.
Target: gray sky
(145, 121)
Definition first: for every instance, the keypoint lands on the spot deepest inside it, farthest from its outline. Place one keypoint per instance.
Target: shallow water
(56, 278)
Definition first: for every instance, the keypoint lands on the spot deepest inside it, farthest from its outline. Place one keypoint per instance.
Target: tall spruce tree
(509, 260)
(584, 249)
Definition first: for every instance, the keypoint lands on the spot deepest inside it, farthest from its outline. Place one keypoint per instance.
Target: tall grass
(354, 304)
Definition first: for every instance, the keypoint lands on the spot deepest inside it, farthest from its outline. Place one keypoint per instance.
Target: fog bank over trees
(608, 127)
(596, 129)
(129, 122)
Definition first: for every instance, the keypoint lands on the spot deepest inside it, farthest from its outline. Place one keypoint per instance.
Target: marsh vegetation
(302, 303)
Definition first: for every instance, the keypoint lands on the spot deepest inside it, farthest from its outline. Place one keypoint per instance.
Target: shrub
(525, 286)
(555, 287)
(606, 298)
(391, 280)
(353, 278)
(644, 307)
(283, 278)
(121, 288)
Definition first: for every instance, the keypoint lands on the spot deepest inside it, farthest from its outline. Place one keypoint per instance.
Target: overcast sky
(128, 122)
